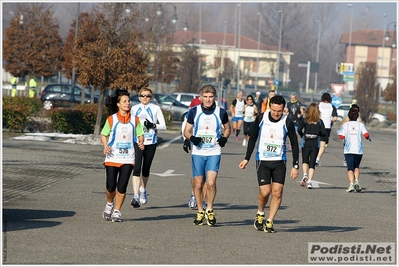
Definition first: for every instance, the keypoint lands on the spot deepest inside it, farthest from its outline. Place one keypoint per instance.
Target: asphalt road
(53, 198)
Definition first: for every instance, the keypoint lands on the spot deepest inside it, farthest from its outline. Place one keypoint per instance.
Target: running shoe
(351, 188)
(210, 216)
(357, 187)
(309, 185)
(269, 226)
(192, 203)
(204, 205)
(258, 223)
(108, 211)
(143, 196)
(244, 142)
(116, 216)
(135, 201)
(304, 180)
(236, 138)
(199, 220)
(318, 163)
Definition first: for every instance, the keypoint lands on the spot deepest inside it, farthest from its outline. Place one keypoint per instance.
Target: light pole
(222, 65)
(185, 27)
(393, 45)
(317, 57)
(257, 55)
(350, 35)
(279, 48)
(239, 46)
(382, 57)
(72, 97)
(160, 9)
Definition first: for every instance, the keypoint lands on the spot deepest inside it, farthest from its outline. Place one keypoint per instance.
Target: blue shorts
(236, 119)
(202, 164)
(353, 161)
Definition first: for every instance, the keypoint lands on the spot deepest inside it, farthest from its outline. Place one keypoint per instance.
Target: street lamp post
(393, 45)
(222, 65)
(257, 55)
(382, 58)
(185, 27)
(279, 48)
(239, 46)
(317, 58)
(350, 35)
(72, 98)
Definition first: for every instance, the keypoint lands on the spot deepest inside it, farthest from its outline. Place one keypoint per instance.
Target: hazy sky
(377, 9)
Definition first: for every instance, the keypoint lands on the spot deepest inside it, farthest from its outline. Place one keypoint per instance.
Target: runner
(205, 121)
(271, 130)
(250, 112)
(311, 130)
(328, 113)
(192, 203)
(120, 132)
(237, 109)
(152, 118)
(351, 132)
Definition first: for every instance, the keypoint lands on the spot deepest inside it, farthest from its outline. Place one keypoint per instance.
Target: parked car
(184, 98)
(376, 118)
(59, 95)
(176, 109)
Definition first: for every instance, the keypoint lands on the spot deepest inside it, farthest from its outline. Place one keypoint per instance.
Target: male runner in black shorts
(271, 130)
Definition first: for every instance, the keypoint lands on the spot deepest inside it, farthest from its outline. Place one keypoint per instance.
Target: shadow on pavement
(22, 219)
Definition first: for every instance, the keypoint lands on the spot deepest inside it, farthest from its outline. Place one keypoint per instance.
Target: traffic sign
(336, 101)
(276, 82)
(337, 88)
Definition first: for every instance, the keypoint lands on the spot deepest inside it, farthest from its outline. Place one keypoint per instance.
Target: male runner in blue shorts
(206, 122)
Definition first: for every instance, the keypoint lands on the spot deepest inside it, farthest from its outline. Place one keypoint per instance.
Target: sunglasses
(148, 96)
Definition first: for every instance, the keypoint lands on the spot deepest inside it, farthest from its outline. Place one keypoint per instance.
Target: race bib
(271, 149)
(123, 149)
(208, 140)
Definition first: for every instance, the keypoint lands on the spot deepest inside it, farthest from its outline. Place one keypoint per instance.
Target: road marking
(167, 173)
(169, 142)
(317, 184)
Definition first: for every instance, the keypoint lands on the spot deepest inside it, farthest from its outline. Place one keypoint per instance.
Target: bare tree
(106, 53)
(390, 92)
(188, 70)
(32, 45)
(367, 89)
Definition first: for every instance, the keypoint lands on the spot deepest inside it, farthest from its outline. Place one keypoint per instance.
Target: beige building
(215, 46)
(371, 46)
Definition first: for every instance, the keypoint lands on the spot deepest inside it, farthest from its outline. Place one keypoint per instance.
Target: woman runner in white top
(250, 112)
(151, 117)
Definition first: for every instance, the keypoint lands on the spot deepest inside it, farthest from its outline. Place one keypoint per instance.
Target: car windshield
(165, 99)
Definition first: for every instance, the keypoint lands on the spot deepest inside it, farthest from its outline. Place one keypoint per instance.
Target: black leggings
(143, 158)
(247, 127)
(118, 176)
(309, 155)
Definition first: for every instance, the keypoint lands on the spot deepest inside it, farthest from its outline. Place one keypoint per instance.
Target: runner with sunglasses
(151, 117)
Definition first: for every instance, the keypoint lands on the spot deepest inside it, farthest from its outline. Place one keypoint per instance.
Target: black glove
(222, 141)
(195, 140)
(149, 124)
(186, 145)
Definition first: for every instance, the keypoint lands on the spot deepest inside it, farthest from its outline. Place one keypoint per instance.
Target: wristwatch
(296, 167)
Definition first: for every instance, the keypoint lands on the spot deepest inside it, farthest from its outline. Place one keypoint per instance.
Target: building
(372, 46)
(214, 46)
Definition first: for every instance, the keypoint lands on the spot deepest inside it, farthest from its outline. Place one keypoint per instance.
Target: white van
(184, 97)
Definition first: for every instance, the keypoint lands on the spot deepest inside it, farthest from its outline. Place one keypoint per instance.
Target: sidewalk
(53, 197)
